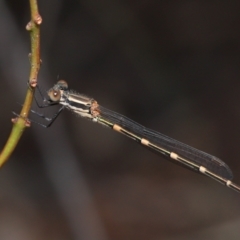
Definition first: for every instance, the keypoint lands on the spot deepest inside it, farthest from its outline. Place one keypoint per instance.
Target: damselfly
(171, 149)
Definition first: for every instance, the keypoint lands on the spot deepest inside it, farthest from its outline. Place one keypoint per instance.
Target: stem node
(38, 19)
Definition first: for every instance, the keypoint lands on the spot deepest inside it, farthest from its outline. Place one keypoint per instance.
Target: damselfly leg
(49, 119)
(45, 102)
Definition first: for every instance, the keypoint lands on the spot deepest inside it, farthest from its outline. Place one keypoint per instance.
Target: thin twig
(20, 123)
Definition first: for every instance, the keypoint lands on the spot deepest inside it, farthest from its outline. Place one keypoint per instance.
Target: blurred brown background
(173, 66)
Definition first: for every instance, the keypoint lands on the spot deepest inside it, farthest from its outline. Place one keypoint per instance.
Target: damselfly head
(61, 85)
(56, 91)
(54, 95)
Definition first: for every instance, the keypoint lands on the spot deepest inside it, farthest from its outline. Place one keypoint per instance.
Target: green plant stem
(20, 123)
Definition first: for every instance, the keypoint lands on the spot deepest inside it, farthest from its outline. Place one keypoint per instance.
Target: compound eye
(62, 84)
(54, 95)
